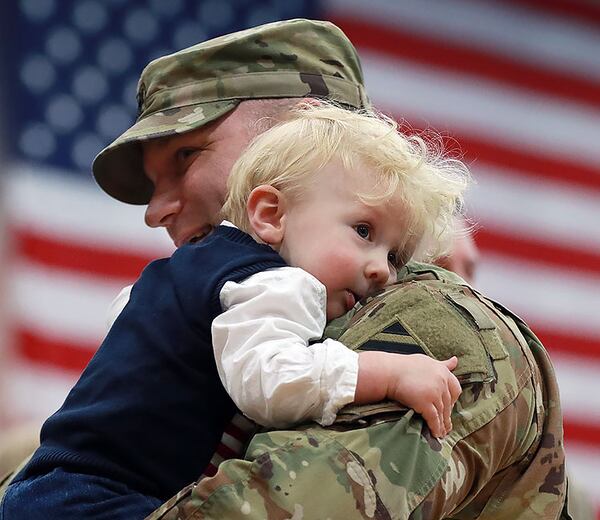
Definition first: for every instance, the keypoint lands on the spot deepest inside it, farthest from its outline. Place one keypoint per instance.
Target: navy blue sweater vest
(149, 409)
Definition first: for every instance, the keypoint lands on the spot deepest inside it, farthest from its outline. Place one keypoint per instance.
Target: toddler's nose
(378, 270)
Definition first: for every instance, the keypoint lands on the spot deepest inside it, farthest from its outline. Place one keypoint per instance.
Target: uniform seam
(232, 98)
(245, 75)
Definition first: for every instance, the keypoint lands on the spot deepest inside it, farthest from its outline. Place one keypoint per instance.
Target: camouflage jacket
(504, 458)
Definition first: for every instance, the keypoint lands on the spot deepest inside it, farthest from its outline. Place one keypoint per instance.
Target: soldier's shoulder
(422, 271)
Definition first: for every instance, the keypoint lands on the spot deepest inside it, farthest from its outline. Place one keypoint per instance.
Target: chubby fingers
(454, 388)
(434, 420)
(450, 363)
(450, 396)
(447, 411)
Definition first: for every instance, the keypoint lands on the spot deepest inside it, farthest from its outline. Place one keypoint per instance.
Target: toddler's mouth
(351, 299)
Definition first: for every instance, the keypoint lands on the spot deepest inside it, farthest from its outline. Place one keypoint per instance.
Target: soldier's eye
(363, 231)
(183, 154)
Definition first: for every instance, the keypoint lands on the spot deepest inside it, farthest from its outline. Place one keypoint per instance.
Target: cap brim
(118, 169)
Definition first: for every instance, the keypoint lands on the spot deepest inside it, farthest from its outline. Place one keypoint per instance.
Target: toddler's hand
(427, 386)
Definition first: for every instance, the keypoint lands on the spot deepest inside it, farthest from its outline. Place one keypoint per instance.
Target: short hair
(263, 114)
(430, 186)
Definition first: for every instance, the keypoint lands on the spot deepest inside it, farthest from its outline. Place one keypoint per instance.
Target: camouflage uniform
(504, 459)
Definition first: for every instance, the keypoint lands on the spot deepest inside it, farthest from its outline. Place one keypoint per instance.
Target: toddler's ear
(266, 213)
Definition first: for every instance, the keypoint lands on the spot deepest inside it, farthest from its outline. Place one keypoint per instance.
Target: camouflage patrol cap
(190, 88)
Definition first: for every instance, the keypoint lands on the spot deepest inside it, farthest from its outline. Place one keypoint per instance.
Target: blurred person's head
(463, 256)
(200, 107)
(345, 196)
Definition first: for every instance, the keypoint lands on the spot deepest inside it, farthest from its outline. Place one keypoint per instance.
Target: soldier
(504, 457)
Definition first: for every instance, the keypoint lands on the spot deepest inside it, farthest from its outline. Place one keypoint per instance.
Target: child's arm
(262, 352)
(422, 383)
(263, 356)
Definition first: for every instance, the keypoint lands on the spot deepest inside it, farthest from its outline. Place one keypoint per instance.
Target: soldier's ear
(266, 212)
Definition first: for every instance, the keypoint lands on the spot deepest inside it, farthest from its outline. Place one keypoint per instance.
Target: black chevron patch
(396, 328)
(392, 346)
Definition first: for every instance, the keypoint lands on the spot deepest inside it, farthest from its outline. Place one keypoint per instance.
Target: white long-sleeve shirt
(262, 351)
(263, 356)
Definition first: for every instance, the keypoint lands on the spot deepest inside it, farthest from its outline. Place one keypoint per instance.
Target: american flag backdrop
(513, 85)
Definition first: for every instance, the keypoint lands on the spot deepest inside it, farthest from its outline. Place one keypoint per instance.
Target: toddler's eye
(363, 231)
(393, 258)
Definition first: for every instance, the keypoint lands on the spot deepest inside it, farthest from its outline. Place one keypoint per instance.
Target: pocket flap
(418, 318)
(353, 413)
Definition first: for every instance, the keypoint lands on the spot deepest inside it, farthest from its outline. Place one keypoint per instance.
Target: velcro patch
(418, 318)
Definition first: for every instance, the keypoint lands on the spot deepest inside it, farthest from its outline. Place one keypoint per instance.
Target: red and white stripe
(233, 442)
(515, 87)
(73, 249)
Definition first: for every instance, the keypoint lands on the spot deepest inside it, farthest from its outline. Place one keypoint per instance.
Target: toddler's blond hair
(430, 186)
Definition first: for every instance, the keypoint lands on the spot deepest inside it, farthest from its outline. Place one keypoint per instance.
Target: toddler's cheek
(332, 273)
